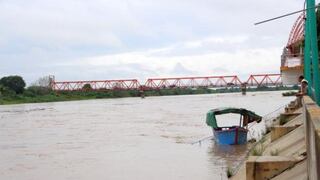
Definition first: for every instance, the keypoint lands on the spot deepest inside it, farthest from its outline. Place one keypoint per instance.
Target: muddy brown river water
(121, 139)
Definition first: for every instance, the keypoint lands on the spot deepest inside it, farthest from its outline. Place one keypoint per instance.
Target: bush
(258, 150)
(201, 91)
(37, 90)
(29, 93)
(164, 92)
(121, 93)
(87, 87)
(5, 91)
(15, 83)
(229, 172)
(104, 94)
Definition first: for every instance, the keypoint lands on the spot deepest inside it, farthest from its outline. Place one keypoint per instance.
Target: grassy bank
(62, 96)
(45, 95)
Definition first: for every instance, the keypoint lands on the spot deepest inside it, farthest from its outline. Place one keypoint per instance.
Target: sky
(120, 39)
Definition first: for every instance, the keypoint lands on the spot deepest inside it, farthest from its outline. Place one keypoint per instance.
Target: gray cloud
(179, 69)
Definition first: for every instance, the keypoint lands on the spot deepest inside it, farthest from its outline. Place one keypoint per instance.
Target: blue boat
(231, 134)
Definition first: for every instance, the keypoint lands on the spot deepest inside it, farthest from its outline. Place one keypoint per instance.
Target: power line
(285, 15)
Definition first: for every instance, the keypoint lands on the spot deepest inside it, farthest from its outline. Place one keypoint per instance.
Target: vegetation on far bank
(13, 91)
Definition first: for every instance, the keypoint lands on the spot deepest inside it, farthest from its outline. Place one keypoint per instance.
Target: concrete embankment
(291, 150)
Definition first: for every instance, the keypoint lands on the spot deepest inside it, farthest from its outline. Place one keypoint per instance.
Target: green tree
(6, 92)
(15, 83)
(87, 87)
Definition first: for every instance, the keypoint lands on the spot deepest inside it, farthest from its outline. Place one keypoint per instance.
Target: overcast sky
(116, 39)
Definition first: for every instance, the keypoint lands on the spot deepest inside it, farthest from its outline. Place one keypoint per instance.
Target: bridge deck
(169, 83)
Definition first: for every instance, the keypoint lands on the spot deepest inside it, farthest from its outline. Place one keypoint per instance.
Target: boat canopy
(248, 116)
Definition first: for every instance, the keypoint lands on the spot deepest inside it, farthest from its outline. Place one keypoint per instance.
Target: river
(121, 139)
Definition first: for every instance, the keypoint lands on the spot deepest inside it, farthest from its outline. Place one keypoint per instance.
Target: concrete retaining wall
(311, 116)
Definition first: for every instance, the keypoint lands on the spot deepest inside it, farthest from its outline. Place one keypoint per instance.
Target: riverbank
(49, 96)
(281, 153)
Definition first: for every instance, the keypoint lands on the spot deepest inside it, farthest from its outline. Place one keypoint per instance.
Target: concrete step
(291, 144)
(279, 131)
(298, 172)
(286, 117)
(290, 109)
(266, 167)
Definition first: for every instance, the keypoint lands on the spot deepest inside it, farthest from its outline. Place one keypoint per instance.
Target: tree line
(15, 85)
(13, 90)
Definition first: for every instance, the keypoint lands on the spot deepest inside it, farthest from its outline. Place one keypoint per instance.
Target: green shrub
(258, 150)
(15, 83)
(100, 95)
(121, 93)
(29, 93)
(229, 172)
(37, 90)
(5, 91)
(87, 87)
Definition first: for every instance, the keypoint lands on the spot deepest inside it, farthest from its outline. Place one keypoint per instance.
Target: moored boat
(231, 134)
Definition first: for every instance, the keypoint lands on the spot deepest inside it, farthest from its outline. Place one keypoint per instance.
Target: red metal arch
(297, 31)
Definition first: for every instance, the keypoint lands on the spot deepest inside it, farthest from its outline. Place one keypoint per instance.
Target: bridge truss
(169, 83)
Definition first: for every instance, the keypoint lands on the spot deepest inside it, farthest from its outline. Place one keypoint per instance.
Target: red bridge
(169, 83)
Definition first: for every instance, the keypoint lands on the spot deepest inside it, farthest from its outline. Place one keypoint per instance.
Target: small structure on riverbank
(243, 88)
